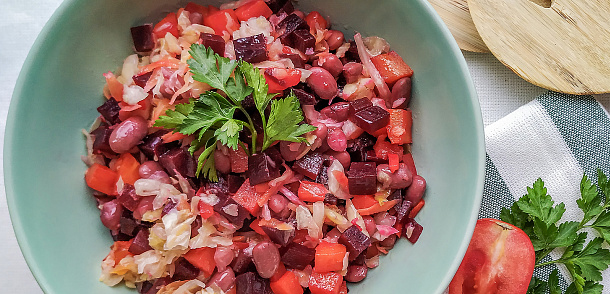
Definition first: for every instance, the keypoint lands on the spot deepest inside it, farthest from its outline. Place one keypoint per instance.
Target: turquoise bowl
(55, 218)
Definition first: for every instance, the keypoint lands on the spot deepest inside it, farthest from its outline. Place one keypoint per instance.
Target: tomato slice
(500, 259)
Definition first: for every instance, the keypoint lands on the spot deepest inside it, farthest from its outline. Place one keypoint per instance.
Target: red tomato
(315, 20)
(253, 9)
(167, 25)
(500, 259)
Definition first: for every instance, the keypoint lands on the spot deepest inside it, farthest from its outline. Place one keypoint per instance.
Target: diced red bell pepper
(205, 210)
(399, 128)
(203, 259)
(408, 160)
(312, 192)
(255, 226)
(391, 67)
(280, 79)
(248, 197)
(343, 289)
(253, 9)
(128, 168)
(367, 205)
(167, 25)
(417, 208)
(114, 86)
(383, 148)
(222, 21)
(393, 162)
(316, 21)
(197, 12)
(101, 178)
(329, 257)
(288, 283)
(325, 283)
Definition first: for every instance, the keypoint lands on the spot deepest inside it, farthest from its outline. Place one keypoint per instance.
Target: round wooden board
(456, 16)
(564, 46)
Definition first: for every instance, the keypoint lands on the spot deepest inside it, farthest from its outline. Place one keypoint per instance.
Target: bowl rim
(69, 5)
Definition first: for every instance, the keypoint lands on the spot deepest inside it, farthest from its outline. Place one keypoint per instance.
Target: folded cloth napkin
(556, 137)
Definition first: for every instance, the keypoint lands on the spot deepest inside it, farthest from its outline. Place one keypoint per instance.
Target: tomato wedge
(500, 259)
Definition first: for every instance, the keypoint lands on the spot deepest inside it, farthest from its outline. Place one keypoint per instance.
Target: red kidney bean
(277, 203)
(399, 179)
(322, 82)
(223, 257)
(415, 192)
(369, 223)
(343, 157)
(336, 139)
(223, 279)
(331, 63)
(128, 134)
(148, 168)
(111, 213)
(356, 273)
(352, 71)
(321, 130)
(266, 258)
(402, 89)
(290, 150)
(338, 111)
(222, 162)
(334, 39)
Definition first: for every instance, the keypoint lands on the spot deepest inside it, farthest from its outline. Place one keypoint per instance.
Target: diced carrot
(142, 108)
(367, 205)
(248, 197)
(341, 178)
(253, 9)
(205, 210)
(316, 21)
(408, 160)
(329, 257)
(391, 67)
(288, 283)
(171, 137)
(128, 168)
(394, 162)
(280, 79)
(169, 24)
(114, 86)
(169, 62)
(203, 259)
(312, 192)
(101, 178)
(222, 21)
(417, 208)
(279, 272)
(325, 283)
(400, 126)
(120, 250)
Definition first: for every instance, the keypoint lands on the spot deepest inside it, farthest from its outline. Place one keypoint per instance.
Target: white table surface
(500, 92)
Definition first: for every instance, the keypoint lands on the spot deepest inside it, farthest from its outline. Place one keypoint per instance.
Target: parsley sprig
(537, 215)
(211, 118)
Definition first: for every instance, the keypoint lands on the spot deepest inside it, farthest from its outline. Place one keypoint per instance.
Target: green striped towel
(556, 137)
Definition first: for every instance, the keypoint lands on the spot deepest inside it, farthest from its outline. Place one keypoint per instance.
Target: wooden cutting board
(562, 45)
(456, 16)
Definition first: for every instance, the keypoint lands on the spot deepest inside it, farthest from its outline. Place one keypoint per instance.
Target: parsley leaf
(208, 67)
(174, 118)
(539, 204)
(284, 119)
(589, 202)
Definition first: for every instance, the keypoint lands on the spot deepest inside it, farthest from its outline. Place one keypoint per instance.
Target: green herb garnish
(211, 118)
(537, 215)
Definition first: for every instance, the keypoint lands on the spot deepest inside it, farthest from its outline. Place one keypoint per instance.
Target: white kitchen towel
(556, 137)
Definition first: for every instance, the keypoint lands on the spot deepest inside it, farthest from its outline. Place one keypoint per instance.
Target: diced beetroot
(225, 201)
(178, 161)
(412, 230)
(287, 8)
(357, 105)
(216, 42)
(338, 111)
(242, 262)
(142, 79)
(140, 243)
(168, 207)
(152, 287)
(128, 197)
(352, 53)
(296, 59)
(278, 236)
(251, 283)
(403, 211)
(362, 178)
(262, 168)
(298, 256)
(234, 182)
(330, 199)
(305, 98)
(142, 37)
(372, 118)
(110, 111)
(153, 146)
(276, 5)
(101, 143)
(302, 40)
(371, 155)
(185, 270)
(309, 165)
(360, 145)
(323, 175)
(288, 25)
(355, 241)
(128, 225)
(251, 49)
